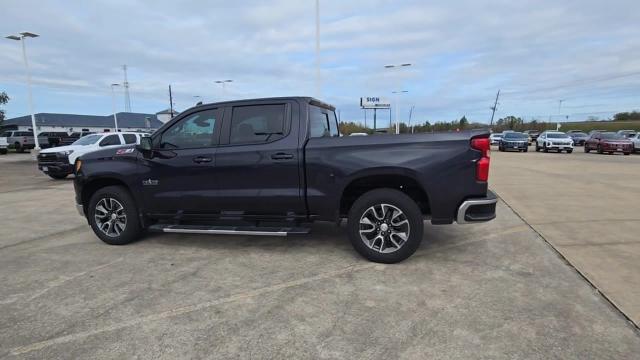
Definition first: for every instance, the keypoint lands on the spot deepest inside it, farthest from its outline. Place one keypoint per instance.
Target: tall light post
(559, 113)
(397, 94)
(224, 90)
(21, 38)
(113, 104)
(318, 84)
(397, 67)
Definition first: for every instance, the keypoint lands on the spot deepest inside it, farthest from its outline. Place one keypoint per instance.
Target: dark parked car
(608, 142)
(578, 138)
(514, 141)
(53, 137)
(269, 166)
(533, 135)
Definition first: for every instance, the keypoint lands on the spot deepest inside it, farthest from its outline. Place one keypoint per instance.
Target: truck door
(180, 177)
(258, 161)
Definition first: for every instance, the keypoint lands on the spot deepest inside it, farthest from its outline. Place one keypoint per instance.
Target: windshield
(87, 140)
(557, 135)
(580, 134)
(516, 136)
(611, 136)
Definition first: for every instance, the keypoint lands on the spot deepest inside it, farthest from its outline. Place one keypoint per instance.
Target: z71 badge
(124, 151)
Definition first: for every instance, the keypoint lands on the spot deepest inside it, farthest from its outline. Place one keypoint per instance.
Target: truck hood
(126, 151)
(60, 148)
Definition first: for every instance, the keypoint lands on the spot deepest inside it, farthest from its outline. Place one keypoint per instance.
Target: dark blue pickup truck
(272, 166)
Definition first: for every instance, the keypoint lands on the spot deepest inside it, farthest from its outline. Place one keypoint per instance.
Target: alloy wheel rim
(110, 217)
(384, 228)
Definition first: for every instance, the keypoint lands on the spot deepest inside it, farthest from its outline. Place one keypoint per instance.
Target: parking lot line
(191, 308)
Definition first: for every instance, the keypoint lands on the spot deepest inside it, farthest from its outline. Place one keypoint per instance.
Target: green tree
(4, 98)
(623, 116)
(463, 122)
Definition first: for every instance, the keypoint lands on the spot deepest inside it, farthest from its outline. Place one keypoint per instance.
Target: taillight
(24, 139)
(482, 165)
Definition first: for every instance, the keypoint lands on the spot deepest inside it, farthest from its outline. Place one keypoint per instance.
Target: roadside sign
(374, 102)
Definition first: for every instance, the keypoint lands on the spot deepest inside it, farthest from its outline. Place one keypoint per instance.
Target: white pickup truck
(4, 145)
(23, 140)
(58, 162)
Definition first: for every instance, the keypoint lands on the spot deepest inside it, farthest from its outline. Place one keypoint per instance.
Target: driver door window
(195, 131)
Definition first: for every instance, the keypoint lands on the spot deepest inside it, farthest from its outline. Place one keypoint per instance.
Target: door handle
(281, 156)
(201, 159)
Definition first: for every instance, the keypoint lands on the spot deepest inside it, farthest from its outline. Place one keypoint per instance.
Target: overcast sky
(537, 52)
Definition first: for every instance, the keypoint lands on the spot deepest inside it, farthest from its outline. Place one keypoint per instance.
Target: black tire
(500, 148)
(569, 151)
(627, 153)
(586, 149)
(57, 176)
(132, 230)
(537, 147)
(599, 149)
(3, 151)
(544, 148)
(394, 198)
(19, 149)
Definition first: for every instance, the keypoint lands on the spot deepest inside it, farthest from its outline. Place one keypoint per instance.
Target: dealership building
(70, 123)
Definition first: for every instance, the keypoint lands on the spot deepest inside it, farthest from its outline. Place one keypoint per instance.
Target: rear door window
(129, 138)
(318, 123)
(256, 124)
(322, 123)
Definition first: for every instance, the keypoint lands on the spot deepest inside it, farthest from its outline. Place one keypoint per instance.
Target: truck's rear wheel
(113, 216)
(385, 226)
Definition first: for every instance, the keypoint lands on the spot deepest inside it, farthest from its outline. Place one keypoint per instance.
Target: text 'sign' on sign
(374, 102)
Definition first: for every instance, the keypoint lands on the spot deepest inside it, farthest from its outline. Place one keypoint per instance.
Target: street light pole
(318, 84)
(21, 38)
(397, 93)
(397, 66)
(223, 82)
(113, 105)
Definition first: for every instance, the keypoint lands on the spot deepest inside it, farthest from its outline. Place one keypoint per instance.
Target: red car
(608, 142)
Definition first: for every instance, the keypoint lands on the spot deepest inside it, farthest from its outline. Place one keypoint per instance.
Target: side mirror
(145, 145)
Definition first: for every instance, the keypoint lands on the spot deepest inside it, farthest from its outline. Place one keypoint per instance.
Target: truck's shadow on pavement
(325, 238)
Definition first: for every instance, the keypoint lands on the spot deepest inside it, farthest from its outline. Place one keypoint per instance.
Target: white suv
(58, 162)
(554, 140)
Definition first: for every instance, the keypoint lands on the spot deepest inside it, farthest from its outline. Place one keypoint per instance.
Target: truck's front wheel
(385, 226)
(113, 216)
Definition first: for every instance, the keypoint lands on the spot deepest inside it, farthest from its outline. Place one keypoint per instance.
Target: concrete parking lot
(586, 206)
(489, 291)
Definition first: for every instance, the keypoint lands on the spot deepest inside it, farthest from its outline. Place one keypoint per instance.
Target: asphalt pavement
(489, 291)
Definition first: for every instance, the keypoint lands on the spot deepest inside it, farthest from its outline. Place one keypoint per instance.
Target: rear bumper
(477, 209)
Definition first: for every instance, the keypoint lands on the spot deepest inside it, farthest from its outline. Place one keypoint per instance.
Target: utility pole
(21, 37)
(113, 105)
(493, 108)
(411, 113)
(170, 101)
(318, 85)
(365, 117)
(125, 84)
(374, 119)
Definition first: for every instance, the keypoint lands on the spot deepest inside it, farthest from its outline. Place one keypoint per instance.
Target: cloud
(462, 51)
